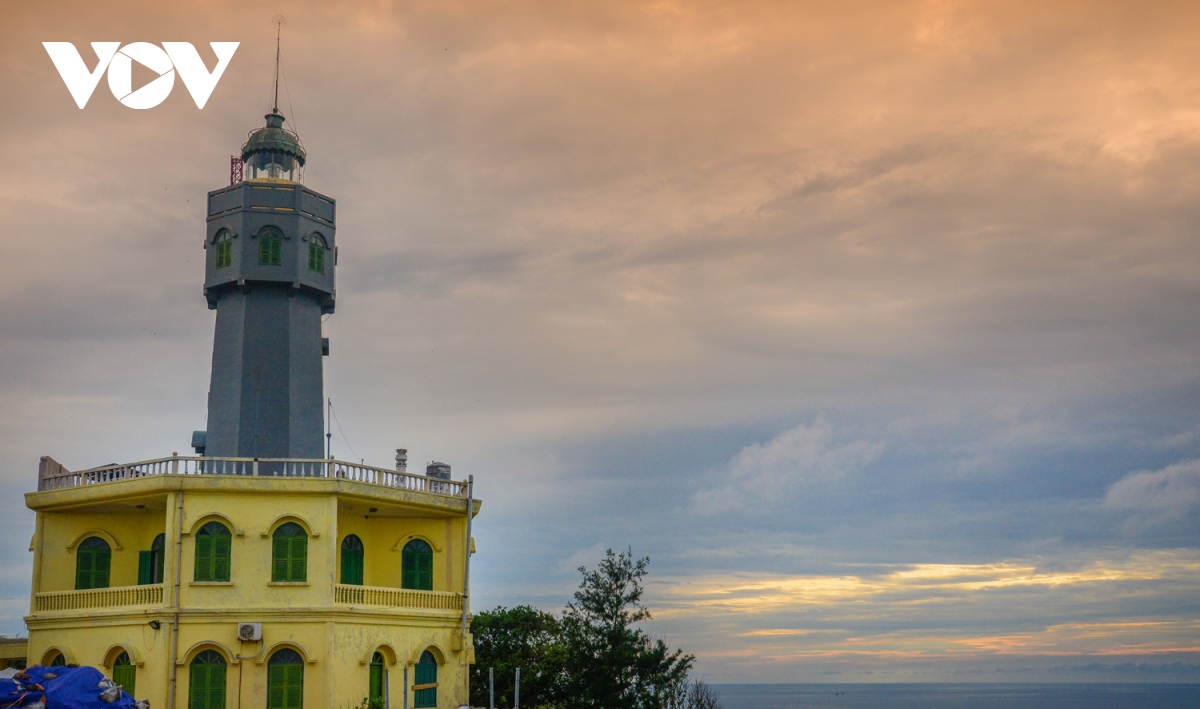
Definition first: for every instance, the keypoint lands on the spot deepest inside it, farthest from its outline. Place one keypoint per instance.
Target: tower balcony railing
(53, 476)
(397, 597)
(148, 595)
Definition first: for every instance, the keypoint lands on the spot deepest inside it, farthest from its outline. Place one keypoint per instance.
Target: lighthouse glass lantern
(273, 153)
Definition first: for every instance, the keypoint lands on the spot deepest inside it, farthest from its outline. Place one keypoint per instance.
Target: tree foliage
(508, 638)
(595, 657)
(609, 662)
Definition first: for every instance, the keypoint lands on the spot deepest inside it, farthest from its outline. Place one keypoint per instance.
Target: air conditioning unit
(249, 632)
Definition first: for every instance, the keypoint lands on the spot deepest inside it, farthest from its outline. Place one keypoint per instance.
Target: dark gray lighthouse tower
(269, 265)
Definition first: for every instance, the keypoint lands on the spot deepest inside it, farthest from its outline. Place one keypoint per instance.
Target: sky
(875, 325)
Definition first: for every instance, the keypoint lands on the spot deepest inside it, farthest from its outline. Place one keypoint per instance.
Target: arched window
(377, 689)
(124, 673)
(92, 560)
(289, 553)
(206, 681)
(212, 552)
(224, 246)
(425, 682)
(416, 566)
(270, 247)
(352, 561)
(285, 680)
(59, 660)
(150, 563)
(316, 253)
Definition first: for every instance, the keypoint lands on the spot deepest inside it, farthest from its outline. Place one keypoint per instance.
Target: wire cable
(339, 425)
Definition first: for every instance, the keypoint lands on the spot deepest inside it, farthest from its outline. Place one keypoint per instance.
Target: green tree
(609, 663)
(508, 638)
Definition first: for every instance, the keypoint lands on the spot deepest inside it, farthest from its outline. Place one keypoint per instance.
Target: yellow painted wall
(256, 515)
(338, 638)
(383, 541)
(134, 531)
(341, 649)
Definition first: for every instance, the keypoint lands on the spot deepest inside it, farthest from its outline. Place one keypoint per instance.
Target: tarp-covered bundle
(62, 688)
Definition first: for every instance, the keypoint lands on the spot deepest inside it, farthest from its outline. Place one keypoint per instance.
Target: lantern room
(273, 152)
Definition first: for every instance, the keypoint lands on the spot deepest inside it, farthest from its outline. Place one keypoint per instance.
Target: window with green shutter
(59, 660)
(289, 553)
(224, 246)
(150, 563)
(92, 560)
(285, 680)
(425, 682)
(416, 564)
(316, 254)
(213, 552)
(206, 681)
(376, 689)
(124, 673)
(352, 561)
(145, 568)
(270, 248)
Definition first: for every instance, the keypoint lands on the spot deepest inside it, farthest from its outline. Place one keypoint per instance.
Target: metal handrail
(54, 477)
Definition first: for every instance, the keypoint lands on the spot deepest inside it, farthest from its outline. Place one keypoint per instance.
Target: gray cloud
(763, 476)
(1158, 496)
(616, 259)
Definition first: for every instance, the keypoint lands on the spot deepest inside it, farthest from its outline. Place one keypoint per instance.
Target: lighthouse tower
(269, 274)
(258, 573)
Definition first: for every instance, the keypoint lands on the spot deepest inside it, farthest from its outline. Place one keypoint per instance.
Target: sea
(959, 696)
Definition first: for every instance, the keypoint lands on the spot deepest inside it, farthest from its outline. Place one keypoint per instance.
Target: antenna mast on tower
(279, 21)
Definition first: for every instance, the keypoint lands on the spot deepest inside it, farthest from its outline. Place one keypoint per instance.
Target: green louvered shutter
(204, 558)
(289, 553)
(375, 690)
(145, 568)
(92, 560)
(279, 570)
(216, 687)
(198, 686)
(351, 571)
(276, 691)
(425, 674)
(221, 557)
(295, 686)
(124, 673)
(299, 559)
(84, 562)
(416, 566)
(103, 560)
(285, 686)
(206, 684)
(425, 572)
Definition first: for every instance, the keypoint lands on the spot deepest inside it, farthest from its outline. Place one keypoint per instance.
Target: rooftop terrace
(53, 476)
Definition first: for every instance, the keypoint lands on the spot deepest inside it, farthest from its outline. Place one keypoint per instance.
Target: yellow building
(13, 652)
(158, 572)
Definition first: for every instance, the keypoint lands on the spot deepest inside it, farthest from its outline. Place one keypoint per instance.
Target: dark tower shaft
(270, 277)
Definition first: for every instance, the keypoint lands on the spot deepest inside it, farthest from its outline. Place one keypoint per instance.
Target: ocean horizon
(960, 696)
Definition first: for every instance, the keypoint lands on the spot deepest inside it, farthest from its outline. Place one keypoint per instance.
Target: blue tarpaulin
(70, 688)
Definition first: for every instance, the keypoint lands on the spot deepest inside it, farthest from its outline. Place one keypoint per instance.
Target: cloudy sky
(876, 325)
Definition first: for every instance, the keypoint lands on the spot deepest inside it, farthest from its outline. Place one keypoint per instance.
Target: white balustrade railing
(52, 476)
(397, 597)
(148, 595)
